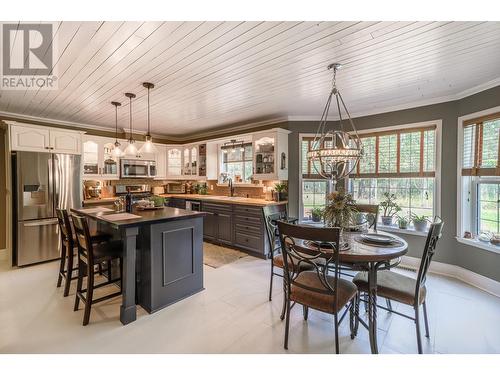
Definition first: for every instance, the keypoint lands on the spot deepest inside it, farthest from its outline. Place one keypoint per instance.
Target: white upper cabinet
(43, 139)
(98, 160)
(161, 162)
(270, 158)
(174, 162)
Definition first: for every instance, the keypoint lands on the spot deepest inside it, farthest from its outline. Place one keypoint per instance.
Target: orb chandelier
(335, 152)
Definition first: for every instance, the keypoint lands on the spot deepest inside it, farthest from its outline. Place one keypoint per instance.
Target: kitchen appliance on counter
(41, 182)
(176, 188)
(92, 189)
(138, 191)
(133, 168)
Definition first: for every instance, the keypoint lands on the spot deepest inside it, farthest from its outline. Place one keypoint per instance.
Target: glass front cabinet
(98, 161)
(270, 158)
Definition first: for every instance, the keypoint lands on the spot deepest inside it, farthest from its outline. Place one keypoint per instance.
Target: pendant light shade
(131, 150)
(117, 151)
(148, 146)
(334, 152)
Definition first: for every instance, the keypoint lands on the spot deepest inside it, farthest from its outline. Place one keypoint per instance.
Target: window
(401, 162)
(313, 186)
(480, 175)
(237, 163)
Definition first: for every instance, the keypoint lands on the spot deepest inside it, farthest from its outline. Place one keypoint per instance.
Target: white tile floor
(232, 315)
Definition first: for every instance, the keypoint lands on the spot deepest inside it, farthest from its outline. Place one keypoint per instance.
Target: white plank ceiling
(211, 74)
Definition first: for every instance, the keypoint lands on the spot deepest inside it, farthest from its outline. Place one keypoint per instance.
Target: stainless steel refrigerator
(42, 182)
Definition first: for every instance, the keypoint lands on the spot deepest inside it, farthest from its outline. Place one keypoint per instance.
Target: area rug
(216, 256)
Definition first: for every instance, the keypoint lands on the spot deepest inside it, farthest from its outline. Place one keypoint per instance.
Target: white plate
(378, 238)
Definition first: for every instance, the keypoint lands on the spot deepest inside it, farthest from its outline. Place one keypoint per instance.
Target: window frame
(221, 162)
(407, 128)
(467, 209)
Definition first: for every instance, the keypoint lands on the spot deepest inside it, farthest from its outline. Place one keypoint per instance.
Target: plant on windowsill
(281, 189)
(389, 208)
(340, 209)
(419, 222)
(402, 222)
(316, 214)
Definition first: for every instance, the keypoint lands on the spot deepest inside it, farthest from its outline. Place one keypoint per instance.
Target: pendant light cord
(116, 123)
(130, 117)
(149, 134)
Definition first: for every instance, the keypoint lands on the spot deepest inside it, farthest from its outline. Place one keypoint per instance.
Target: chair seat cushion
(392, 285)
(278, 261)
(107, 251)
(319, 301)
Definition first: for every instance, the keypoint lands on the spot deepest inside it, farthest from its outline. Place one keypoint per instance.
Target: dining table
(360, 254)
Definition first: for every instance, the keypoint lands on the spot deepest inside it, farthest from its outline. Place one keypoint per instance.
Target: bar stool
(89, 255)
(68, 244)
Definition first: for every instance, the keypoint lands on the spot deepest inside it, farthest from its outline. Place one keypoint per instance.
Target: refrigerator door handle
(40, 223)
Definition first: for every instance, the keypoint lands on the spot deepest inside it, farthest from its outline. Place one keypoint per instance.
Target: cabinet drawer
(248, 210)
(248, 220)
(214, 207)
(249, 241)
(240, 227)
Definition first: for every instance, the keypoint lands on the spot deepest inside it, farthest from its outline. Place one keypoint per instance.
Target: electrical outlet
(211, 187)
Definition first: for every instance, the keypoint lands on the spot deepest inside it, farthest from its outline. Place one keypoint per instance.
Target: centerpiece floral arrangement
(340, 209)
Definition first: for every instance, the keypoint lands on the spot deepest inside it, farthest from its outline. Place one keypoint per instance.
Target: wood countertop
(224, 199)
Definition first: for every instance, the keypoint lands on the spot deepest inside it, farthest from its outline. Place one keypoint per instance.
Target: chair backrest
(307, 245)
(83, 238)
(64, 224)
(271, 215)
(370, 210)
(433, 236)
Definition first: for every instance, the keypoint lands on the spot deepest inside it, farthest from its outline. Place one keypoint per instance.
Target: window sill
(479, 244)
(394, 229)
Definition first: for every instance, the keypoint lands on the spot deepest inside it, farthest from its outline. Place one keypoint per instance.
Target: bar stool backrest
(83, 238)
(271, 215)
(64, 224)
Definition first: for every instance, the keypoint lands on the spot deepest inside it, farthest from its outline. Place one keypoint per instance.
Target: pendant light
(117, 151)
(148, 146)
(334, 152)
(131, 150)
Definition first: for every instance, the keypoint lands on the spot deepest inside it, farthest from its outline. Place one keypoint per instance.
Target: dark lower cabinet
(236, 225)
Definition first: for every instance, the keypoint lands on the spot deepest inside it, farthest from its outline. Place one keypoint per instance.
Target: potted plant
(389, 208)
(402, 222)
(419, 222)
(316, 214)
(340, 209)
(281, 190)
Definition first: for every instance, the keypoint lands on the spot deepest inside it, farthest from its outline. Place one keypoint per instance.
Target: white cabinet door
(65, 142)
(174, 162)
(24, 138)
(92, 157)
(161, 162)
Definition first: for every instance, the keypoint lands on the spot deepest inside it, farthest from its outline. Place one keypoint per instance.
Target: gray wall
(449, 249)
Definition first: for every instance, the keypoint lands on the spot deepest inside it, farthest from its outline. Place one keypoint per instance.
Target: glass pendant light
(148, 146)
(131, 150)
(117, 151)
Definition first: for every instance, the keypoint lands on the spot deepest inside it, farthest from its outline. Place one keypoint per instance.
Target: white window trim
(460, 211)
(437, 178)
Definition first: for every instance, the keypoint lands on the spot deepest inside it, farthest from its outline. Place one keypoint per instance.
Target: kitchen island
(162, 255)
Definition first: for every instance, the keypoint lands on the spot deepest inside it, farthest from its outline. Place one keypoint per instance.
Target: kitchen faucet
(231, 186)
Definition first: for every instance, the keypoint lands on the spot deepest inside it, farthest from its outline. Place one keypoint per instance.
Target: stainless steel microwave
(133, 168)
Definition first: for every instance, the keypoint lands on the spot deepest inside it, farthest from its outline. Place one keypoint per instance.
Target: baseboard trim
(459, 273)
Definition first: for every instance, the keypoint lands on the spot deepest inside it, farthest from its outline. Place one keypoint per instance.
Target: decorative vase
(316, 219)
(420, 226)
(387, 220)
(403, 225)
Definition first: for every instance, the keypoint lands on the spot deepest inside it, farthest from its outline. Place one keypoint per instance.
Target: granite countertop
(225, 199)
(146, 216)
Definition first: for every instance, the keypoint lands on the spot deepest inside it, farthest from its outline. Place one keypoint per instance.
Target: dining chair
(370, 210)
(405, 289)
(68, 244)
(315, 288)
(272, 214)
(90, 254)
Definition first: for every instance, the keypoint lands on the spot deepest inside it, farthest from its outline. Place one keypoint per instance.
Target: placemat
(94, 210)
(121, 216)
